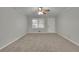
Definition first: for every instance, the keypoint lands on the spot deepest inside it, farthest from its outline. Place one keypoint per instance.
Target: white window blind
(37, 23)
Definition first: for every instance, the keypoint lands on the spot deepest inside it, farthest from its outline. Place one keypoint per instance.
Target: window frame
(40, 23)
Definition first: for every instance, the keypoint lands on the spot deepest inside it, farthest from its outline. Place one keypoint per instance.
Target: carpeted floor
(41, 42)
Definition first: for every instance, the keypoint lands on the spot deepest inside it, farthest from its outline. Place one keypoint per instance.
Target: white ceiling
(30, 10)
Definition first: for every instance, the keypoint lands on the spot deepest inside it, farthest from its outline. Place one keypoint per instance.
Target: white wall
(49, 24)
(12, 25)
(30, 29)
(67, 23)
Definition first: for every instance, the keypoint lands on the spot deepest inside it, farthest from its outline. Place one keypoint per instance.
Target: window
(41, 23)
(37, 23)
(34, 23)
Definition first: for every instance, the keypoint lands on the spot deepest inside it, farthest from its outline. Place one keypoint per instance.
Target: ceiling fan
(42, 10)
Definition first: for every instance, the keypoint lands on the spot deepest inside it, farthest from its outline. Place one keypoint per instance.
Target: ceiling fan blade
(42, 10)
(47, 10)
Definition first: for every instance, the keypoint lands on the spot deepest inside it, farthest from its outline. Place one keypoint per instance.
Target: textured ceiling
(31, 10)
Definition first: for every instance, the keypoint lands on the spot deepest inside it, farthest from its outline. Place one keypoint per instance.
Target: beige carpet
(41, 42)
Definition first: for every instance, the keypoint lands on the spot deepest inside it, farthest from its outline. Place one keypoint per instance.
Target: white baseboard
(68, 38)
(12, 41)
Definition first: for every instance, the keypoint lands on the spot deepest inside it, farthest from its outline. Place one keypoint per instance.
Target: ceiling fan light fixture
(40, 13)
(40, 8)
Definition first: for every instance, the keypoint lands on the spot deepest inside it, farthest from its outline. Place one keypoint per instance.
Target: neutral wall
(49, 24)
(12, 25)
(67, 23)
(30, 29)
